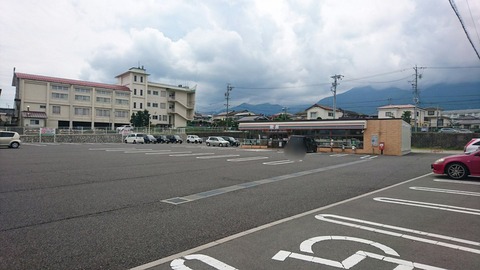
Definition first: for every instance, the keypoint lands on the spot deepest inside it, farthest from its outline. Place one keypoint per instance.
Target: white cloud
(273, 51)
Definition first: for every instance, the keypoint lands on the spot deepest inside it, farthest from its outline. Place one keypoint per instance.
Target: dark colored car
(162, 139)
(149, 139)
(231, 140)
(458, 166)
(298, 143)
(174, 139)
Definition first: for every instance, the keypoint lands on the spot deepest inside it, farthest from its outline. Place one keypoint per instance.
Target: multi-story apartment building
(42, 101)
(396, 111)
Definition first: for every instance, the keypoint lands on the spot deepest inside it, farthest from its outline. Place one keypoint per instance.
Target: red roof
(69, 81)
(32, 114)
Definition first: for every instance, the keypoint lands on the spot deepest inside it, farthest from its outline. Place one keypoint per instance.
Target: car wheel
(126, 141)
(14, 145)
(134, 142)
(220, 144)
(457, 171)
(208, 144)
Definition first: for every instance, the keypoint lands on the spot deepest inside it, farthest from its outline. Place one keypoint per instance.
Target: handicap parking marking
(402, 232)
(218, 156)
(457, 182)
(443, 207)
(245, 159)
(279, 162)
(449, 191)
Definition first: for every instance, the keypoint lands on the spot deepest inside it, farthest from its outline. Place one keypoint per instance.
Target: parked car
(10, 139)
(174, 139)
(448, 130)
(472, 145)
(194, 139)
(135, 138)
(232, 140)
(124, 128)
(162, 139)
(464, 130)
(458, 166)
(298, 143)
(149, 139)
(216, 141)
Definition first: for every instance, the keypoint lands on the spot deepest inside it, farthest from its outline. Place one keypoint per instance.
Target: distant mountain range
(366, 100)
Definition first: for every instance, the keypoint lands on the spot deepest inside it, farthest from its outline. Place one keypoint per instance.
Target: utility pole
(334, 90)
(416, 95)
(227, 97)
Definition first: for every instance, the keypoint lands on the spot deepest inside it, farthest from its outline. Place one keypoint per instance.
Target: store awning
(30, 114)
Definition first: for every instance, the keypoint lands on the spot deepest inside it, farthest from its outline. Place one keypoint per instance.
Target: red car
(458, 166)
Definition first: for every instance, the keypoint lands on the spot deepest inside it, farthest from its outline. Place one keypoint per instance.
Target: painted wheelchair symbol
(351, 261)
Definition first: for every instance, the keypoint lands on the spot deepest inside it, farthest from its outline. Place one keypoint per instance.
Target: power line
(454, 7)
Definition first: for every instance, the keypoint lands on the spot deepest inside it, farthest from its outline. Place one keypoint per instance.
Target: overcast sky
(280, 52)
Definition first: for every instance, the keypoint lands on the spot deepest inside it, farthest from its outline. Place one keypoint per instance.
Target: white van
(135, 138)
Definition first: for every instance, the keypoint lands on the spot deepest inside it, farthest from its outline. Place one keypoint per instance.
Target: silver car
(10, 139)
(216, 141)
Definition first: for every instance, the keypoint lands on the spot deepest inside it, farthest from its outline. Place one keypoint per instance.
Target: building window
(431, 112)
(141, 92)
(102, 113)
(155, 105)
(148, 104)
(134, 78)
(141, 78)
(330, 114)
(141, 105)
(134, 105)
(82, 98)
(34, 122)
(59, 96)
(123, 94)
(163, 93)
(149, 92)
(121, 114)
(135, 91)
(164, 118)
(163, 105)
(155, 117)
(155, 93)
(82, 111)
(56, 109)
(59, 87)
(104, 92)
(43, 106)
(82, 90)
(121, 101)
(389, 114)
(313, 115)
(103, 100)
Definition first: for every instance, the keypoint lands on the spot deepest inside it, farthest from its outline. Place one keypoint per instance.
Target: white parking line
(379, 228)
(192, 154)
(457, 182)
(219, 156)
(167, 153)
(245, 159)
(138, 151)
(443, 207)
(450, 191)
(278, 162)
(339, 155)
(367, 156)
(110, 149)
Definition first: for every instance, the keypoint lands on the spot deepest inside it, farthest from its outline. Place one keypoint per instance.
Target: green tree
(140, 119)
(407, 116)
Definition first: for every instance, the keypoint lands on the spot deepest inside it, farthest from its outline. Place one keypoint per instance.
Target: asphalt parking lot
(117, 206)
